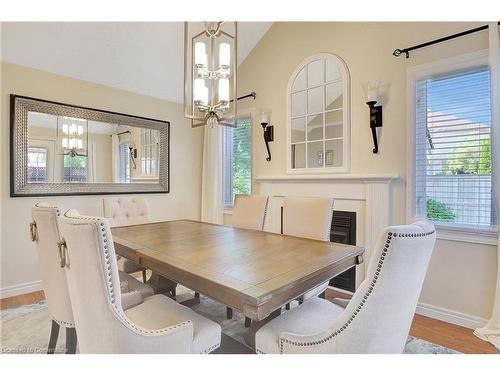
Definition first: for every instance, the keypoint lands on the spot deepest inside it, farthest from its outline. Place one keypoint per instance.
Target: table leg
(162, 285)
(249, 335)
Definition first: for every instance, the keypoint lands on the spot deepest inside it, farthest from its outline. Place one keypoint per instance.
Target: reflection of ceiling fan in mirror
(72, 134)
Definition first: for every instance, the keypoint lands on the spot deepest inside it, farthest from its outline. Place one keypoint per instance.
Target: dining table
(255, 272)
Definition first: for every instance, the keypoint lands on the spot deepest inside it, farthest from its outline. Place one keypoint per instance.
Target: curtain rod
(251, 95)
(398, 51)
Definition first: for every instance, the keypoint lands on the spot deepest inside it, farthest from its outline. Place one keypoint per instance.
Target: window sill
(487, 236)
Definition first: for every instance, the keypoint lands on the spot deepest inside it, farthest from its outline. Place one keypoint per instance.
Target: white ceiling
(146, 58)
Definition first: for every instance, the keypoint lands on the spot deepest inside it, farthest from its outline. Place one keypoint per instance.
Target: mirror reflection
(73, 150)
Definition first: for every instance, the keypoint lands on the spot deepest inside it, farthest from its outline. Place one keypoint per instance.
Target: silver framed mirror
(63, 149)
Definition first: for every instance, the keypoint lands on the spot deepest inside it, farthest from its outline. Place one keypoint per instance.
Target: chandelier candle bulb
(225, 55)
(224, 90)
(200, 54)
(200, 92)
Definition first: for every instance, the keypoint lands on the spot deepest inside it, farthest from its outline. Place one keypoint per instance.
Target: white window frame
(253, 114)
(445, 231)
(346, 117)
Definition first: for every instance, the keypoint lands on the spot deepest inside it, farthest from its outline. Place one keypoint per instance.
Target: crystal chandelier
(210, 72)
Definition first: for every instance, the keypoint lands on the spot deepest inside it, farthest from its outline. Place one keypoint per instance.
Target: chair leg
(144, 276)
(71, 340)
(248, 321)
(54, 334)
(287, 306)
(229, 313)
(196, 295)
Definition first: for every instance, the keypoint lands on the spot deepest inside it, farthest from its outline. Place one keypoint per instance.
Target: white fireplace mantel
(369, 195)
(383, 178)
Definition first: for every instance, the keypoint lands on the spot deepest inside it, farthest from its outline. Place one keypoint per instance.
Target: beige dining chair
(127, 211)
(45, 233)
(308, 217)
(122, 211)
(378, 317)
(249, 212)
(157, 325)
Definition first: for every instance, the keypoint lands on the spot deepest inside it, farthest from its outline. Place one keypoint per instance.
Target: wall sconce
(372, 97)
(265, 120)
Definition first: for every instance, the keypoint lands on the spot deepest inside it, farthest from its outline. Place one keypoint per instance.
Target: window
(75, 168)
(37, 164)
(149, 152)
(318, 116)
(124, 162)
(453, 174)
(237, 160)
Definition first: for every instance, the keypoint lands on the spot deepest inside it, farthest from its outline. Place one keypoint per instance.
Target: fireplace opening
(342, 230)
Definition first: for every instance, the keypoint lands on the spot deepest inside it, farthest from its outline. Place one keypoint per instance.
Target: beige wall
(18, 257)
(461, 276)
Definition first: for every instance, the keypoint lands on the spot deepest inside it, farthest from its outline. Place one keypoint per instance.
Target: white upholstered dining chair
(122, 211)
(157, 325)
(45, 232)
(249, 211)
(308, 217)
(126, 211)
(378, 317)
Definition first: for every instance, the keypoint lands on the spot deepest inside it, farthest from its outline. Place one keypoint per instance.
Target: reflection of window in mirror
(149, 152)
(124, 162)
(37, 164)
(318, 130)
(75, 168)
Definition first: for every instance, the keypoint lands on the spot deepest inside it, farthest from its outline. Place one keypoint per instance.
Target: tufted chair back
(249, 211)
(125, 210)
(308, 217)
(379, 315)
(94, 287)
(45, 233)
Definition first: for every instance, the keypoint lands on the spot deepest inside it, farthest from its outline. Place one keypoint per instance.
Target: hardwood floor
(445, 334)
(24, 299)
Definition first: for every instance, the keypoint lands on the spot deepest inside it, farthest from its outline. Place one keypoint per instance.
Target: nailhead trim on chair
(265, 213)
(111, 292)
(365, 297)
(212, 348)
(64, 324)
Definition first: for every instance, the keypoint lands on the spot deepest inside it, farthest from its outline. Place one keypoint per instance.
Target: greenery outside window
(453, 174)
(237, 161)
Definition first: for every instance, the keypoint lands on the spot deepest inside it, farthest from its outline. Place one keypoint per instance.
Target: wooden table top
(253, 271)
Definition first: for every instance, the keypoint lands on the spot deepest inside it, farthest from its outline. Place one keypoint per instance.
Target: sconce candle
(372, 97)
(265, 120)
(265, 117)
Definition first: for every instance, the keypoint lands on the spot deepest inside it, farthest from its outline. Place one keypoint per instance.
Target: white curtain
(115, 157)
(491, 332)
(211, 185)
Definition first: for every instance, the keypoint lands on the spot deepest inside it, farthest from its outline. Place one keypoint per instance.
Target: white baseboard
(450, 316)
(16, 290)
